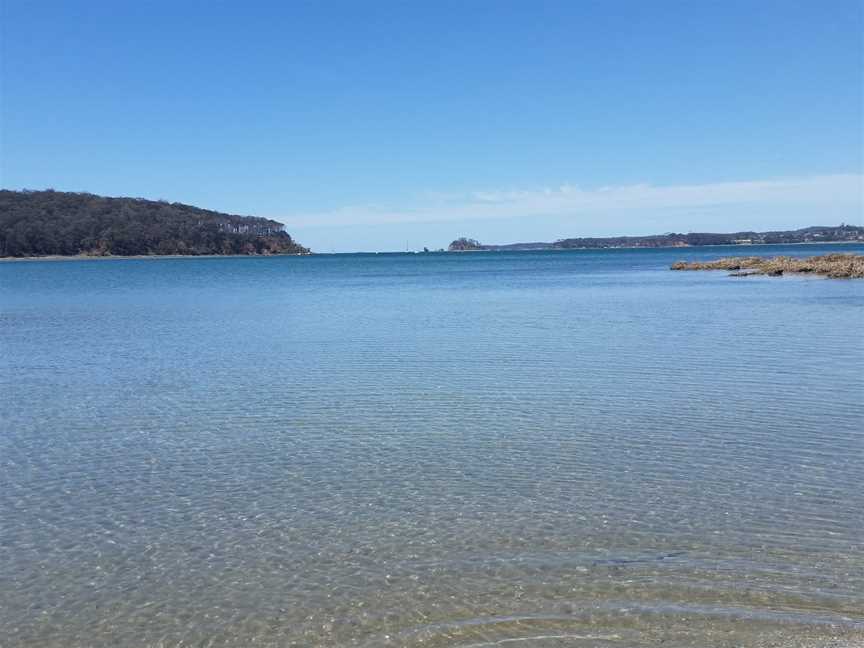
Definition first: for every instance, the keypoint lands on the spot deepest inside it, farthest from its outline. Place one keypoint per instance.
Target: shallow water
(549, 449)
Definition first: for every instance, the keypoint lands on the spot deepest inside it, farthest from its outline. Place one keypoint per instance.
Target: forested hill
(39, 223)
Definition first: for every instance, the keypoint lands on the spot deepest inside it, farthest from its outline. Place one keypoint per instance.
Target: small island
(834, 266)
(64, 224)
(466, 245)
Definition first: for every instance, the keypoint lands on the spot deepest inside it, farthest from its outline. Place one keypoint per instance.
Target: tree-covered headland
(43, 223)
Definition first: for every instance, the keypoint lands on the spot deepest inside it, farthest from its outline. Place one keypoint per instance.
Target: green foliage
(807, 235)
(38, 223)
(462, 244)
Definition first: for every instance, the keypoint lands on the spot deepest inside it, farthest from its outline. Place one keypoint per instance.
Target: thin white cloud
(818, 191)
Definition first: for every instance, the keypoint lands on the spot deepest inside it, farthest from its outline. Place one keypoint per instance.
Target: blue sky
(376, 125)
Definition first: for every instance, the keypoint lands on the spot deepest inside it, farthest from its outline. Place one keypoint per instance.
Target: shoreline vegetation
(55, 224)
(842, 233)
(144, 257)
(833, 266)
(128, 257)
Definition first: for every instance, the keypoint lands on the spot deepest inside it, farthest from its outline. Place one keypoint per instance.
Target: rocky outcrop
(835, 266)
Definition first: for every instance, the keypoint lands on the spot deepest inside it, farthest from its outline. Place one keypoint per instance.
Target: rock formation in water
(835, 266)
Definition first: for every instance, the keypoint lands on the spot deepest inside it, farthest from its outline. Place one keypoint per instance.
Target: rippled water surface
(552, 449)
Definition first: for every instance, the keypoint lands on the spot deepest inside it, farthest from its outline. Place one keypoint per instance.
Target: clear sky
(375, 125)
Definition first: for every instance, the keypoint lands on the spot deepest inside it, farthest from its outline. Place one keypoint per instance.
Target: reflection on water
(554, 449)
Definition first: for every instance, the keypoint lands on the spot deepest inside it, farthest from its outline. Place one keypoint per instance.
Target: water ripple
(555, 449)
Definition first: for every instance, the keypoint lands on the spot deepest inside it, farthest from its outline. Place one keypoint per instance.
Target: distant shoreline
(644, 247)
(842, 233)
(155, 257)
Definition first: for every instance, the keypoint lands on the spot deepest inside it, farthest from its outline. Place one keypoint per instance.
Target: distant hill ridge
(45, 223)
(815, 234)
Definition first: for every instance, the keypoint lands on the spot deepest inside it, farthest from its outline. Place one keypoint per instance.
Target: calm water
(553, 449)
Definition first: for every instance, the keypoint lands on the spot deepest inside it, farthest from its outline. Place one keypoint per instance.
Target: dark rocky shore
(834, 266)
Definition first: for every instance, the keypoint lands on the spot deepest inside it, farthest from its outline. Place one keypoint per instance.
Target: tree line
(815, 234)
(40, 223)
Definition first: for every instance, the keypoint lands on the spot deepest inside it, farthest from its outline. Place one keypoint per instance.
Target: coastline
(668, 247)
(85, 257)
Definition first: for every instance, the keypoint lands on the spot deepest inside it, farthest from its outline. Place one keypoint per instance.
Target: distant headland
(56, 223)
(816, 234)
